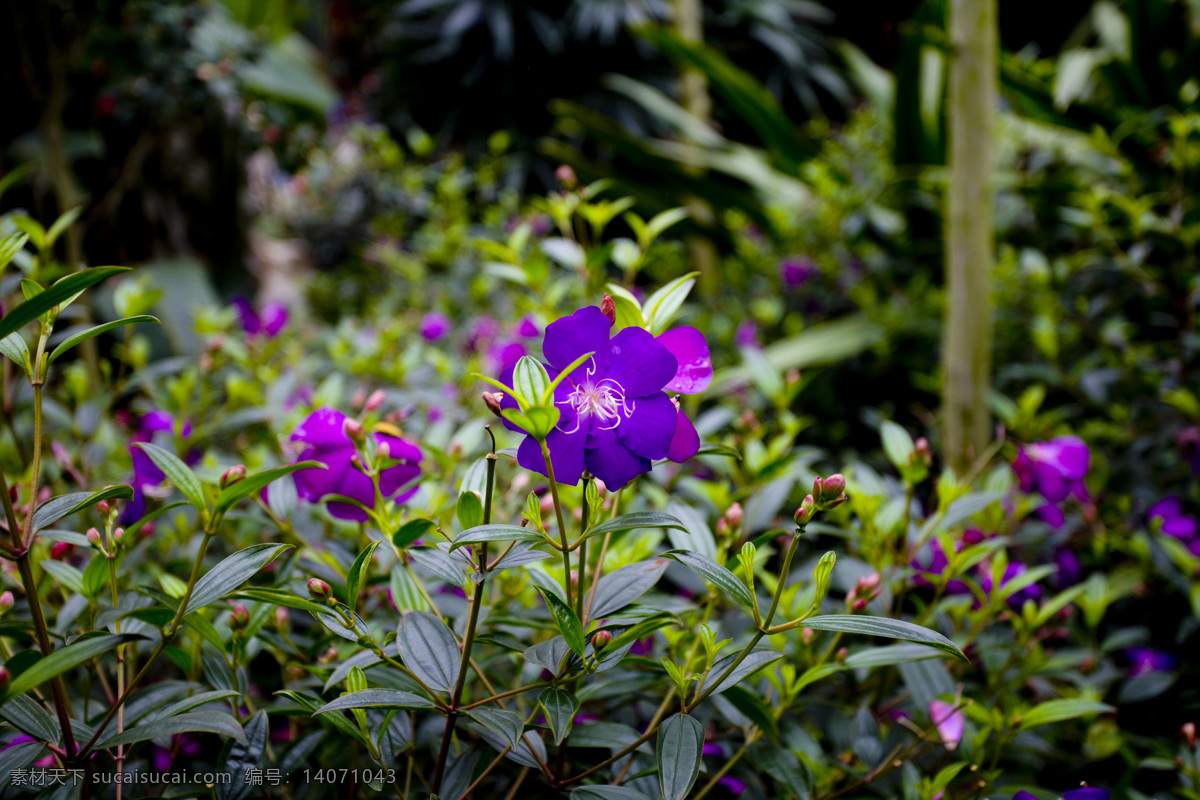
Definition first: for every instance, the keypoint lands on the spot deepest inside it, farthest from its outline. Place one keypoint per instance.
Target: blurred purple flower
(617, 417)
(732, 784)
(269, 322)
(504, 354)
(481, 333)
(1086, 793)
(1054, 469)
(183, 744)
(932, 561)
(152, 425)
(527, 328)
(712, 749)
(434, 326)
(950, 722)
(797, 271)
(328, 443)
(1175, 523)
(1143, 660)
(747, 334)
(1069, 569)
(1013, 570)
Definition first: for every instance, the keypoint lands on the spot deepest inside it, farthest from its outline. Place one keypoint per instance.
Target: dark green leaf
(882, 626)
(15, 348)
(728, 583)
(230, 495)
(65, 574)
(886, 656)
(428, 648)
(17, 757)
(755, 709)
(508, 724)
(618, 589)
(206, 721)
(179, 473)
(412, 530)
(83, 336)
(377, 698)
(241, 758)
(638, 519)
(61, 660)
(568, 624)
(64, 505)
(231, 573)
(607, 793)
(62, 291)
(195, 701)
(1062, 710)
(359, 571)
(756, 660)
(30, 716)
(495, 533)
(679, 748)
(560, 707)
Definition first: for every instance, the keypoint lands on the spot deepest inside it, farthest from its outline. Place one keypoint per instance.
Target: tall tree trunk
(967, 336)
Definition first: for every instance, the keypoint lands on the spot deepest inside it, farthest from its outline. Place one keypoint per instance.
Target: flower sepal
(537, 421)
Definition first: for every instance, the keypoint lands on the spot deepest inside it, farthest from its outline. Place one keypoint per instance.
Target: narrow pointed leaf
(231, 573)
(560, 707)
(495, 533)
(61, 660)
(83, 336)
(65, 505)
(197, 721)
(60, 292)
(638, 519)
(359, 571)
(715, 574)
(428, 648)
(180, 474)
(679, 749)
(508, 724)
(568, 624)
(377, 698)
(888, 628)
(230, 495)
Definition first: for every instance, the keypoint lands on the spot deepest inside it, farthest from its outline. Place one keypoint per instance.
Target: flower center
(603, 401)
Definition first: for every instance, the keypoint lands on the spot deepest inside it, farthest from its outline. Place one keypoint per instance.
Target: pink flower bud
(232, 475)
(240, 617)
(805, 511)
(829, 491)
(566, 176)
(6, 602)
(807, 635)
(492, 401)
(119, 534)
(4, 676)
(1188, 732)
(93, 537)
(601, 640)
(375, 400)
(608, 307)
(59, 549)
(283, 619)
(319, 589)
(354, 429)
(103, 507)
(734, 514)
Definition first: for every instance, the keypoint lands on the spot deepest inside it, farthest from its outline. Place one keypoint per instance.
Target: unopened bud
(722, 527)
(921, 451)
(492, 401)
(330, 655)
(869, 581)
(566, 176)
(103, 507)
(119, 534)
(358, 398)
(829, 491)
(283, 620)
(6, 602)
(240, 617)
(608, 307)
(1188, 732)
(574, 577)
(805, 511)
(319, 589)
(807, 635)
(232, 475)
(841, 654)
(4, 676)
(375, 400)
(93, 537)
(59, 549)
(601, 640)
(734, 514)
(860, 604)
(354, 429)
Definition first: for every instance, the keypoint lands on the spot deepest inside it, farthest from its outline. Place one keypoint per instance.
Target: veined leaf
(61, 292)
(83, 336)
(886, 627)
(230, 495)
(179, 473)
(231, 573)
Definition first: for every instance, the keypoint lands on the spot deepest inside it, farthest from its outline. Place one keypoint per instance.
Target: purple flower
(269, 322)
(504, 354)
(1013, 570)
(527, 328)
(1143, 660)
(1054, 469)
(747, 334)
(933, 561)
(434, 326)
(712, 749)
(146, 474)
(797, 271)
(950, 722)
(328, 443)
(1069, 569)
(732, 784)
(482, 331)
(617, 417)
(1087, 793)
(1175, 523)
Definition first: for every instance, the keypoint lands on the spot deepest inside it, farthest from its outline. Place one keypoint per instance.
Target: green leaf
(61, 660)
(568, 624)
(231, 495)
(755, 709)
(679, 747)
(313, 705)
(886, 656)
(412, 530)
(17, 351)
(885, 627)
(280, 597)
(195, 701)
(65, 505)
(621, 587)
(11, 245)
(31, 717)
(241, 758)
(662, 306)
(602, 792)
(715, 574)
(358, 573)
(752, 663)
(560, 707)
(530, 380)
(16, 757)
(495, 533)
(62, 291)
(638, 519)
(83, 336)
(508, 724)
(179, 473)
(60, 225)
(65, 574)
(231, 573)
(197, 721)
(897, 444)
(1062, 710)
(469, 510)
(377, 698)
(428, 648)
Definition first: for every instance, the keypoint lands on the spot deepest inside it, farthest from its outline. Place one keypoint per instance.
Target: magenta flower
(328, 443)
(269, 322)
(528, 328)
(932, 561)
(747, 334)
(950, 722)
(1143, 660)
(616, 416)
(1054, 469)
(732, 785)
(505, 353)
(1013, 570)
(434, 326)
(1175, 523)
(797, 271)
(1084, 793)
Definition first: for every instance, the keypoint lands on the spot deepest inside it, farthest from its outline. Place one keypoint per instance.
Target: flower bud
(119, 534)
(319, 589)
(240, 617)
(375, 400)
(93, 537)
(921, 451)
(6, 602)
(1188, 732)
(804, 512)
(566, 176)
(601, 640)
(330, 655)
(841, 654)
(574, 577)
(232, 475)
(492, 401)
(734, 514)
(4, 676)
(828, 492)
(354, 429)
(608, 307)
(59, 549)
(283, 620)
(103, 507)
(807, 635)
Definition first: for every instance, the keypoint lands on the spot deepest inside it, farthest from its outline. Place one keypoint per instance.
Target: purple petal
(950, 722)
(611, 461)
(527, 328)
(585, 331)
(274, 317)
(157, 422)
(1166, 508)
(323, 429)
(686, 442)
(313, 484)
(695, 371)
(640, 364)
(434, 326)
(1087, 793)
(248, 316)
(1180, 527)
(1052, 516)
(1068, 455)
(651, 427)
(145, 471)
(1024, 795)
(566, 454)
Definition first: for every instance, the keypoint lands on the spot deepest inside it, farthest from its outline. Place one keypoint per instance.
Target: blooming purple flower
(1013, 570)
(146, 474)
(1054, 469)
(797, 271)
(1069, 569)
(950, 722)
(1175, 523)
(1084, 793)
(616, 415)
(328, 443)
(434, 326)
(269, 322)
(1143, 660)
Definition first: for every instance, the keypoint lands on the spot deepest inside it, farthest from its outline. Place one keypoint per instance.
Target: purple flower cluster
(269, 322)
(1144, 660)
(797, 271)
(324, 435)
(1055, 470)
(617, 417)
(1169, 513)
(933, 561)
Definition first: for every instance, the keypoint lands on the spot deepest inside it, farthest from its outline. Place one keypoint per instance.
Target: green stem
(562, 527)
